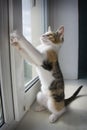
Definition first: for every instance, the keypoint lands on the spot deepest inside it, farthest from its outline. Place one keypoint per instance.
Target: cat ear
(49, 29)
(61, 30)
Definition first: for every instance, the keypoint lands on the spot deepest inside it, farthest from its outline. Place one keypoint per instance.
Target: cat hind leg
(42, 101)
(56, 111)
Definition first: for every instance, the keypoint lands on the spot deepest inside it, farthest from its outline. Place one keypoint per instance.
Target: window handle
(34, 3)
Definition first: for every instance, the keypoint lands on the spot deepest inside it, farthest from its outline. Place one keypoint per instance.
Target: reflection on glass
(1, 111)
(27, 72)
(33, 27)
(26, 21)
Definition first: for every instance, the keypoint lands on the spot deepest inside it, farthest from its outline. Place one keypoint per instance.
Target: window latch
(34, 3)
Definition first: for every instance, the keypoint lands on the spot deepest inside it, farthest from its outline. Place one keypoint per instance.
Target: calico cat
(45, 58)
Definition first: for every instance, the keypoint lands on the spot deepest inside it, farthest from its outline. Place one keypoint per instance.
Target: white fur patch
(45, 77)
(54, 117)
(55, 114)
(42, 99)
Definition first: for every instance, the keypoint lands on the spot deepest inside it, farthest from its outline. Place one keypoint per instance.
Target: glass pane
(1, 111)
(27, 72)
(32, 29)
(26, 20)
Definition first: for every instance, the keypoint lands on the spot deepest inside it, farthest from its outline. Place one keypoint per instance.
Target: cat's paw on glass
(14, 38)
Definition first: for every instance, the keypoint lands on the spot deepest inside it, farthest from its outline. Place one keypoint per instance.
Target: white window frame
(15, 101)
(5, 72)
(22, 99)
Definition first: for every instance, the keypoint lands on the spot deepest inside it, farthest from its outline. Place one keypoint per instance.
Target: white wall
(65, 12)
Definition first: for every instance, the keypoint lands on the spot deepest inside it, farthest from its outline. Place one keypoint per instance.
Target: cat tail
(73, 97)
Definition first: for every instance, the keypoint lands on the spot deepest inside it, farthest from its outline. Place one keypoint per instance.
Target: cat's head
(53, 38)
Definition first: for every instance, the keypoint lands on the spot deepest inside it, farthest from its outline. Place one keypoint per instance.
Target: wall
(65, 12)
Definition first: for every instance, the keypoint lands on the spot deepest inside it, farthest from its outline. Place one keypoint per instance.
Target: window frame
(5, 70)
(31, 83)
(36, 80)
(44, 5)
(22, 97)
(7, 65)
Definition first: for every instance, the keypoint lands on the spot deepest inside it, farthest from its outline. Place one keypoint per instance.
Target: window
(6, 101)
(26, 23)
(32, 22)
(28, 18)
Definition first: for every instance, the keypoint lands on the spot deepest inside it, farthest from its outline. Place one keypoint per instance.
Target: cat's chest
(46, 78)
(43, 48)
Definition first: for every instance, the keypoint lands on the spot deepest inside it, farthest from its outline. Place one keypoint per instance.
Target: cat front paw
(53, 118)
(13, 38)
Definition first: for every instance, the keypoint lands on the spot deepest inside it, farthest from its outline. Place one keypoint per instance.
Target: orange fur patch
(52, 56)
(59, 105)
(17, 45)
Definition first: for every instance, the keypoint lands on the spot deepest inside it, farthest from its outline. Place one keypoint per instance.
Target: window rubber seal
(31, 83)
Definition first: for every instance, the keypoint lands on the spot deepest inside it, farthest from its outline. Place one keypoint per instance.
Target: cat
(45, 58)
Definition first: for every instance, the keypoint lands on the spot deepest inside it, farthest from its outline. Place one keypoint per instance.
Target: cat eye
(49, 35)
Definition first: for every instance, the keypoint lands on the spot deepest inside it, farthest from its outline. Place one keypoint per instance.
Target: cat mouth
(45, 41)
